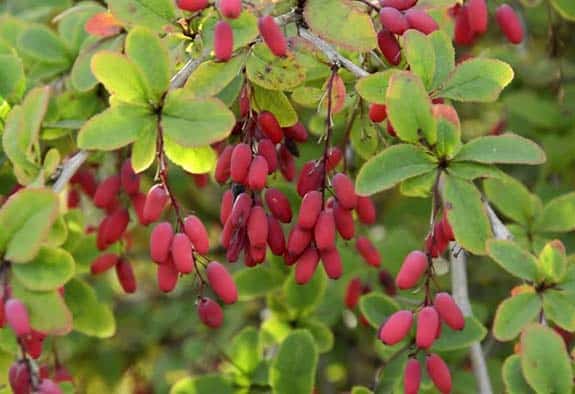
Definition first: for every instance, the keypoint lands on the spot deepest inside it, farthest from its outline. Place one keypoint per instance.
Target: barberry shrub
(221, 196)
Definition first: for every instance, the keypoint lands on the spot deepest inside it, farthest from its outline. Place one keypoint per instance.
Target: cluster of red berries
(437, 242)
(471, 20)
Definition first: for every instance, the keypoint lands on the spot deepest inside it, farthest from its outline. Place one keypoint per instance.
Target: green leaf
(558, 307)
(153, 14)
(245, 29)
(466, 214)
(193, 160)
(81, 76)
(12, 78)
(448, 133)
(211, 77)
(245, 350)
(307, 96)
(376, 308)
(120, 76)
(471, 171)
(114, 128)
(25, 220)
(302, 299)
(364, 137)
(419, 53)
(444, 57)
(391, 166)
(321, 333)
(144, 148)
(511, 198)
(293, 369)
(277, 103)
(205, 384)
(90, 316)
(409, 108)
(553, 261)
(155, 70)
(460, 339)
(273, 72)
(346, 24)
(544, 361)
(514, 313)
(477, 80)
(373, 88)
(258, 281)
(566, 8)
(41, 43)
(507, 148)
(513, 259)
(418, 186)
(48, 312)
(558, 215)
(16, 145)
(513, 378)
(49, 270)
(360, 390)
(195, 123)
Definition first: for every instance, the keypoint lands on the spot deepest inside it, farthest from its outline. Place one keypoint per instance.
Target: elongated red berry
(396, 327)
(257, 226)
(420, 20)
(269, 125)
(258, 173)
(509, 23)
(272, 35)
(138, 202)
(107, 191)
(126, 277)
(226, 206)
(334, 156)
(19, 378)
(310, 209)
(85, 179)
(278, 205)
(222, 282)
(129, 179)
(210, 312)
(412, 377)
(241, 210)
(436, 244)
(223, 41)
(343, 221)
(33, 343)
(167, 276)
(230, 8)
(413, 267)
(439, 373)
(446, 229)
(192, 5)
(368, 251)
(477, 15)
(161, 242)
(266, 149)
(17, 317)
(332, 264)
(156, 200)
(298, 241)
(305, 266)
(393, 20)
(365, 210)
(48, 386)
(463, 34)
(257, 254)
(276, 238)
(386, 280)
(103, 263)
(352, 293)
(449, 311)
(222, 171)
(117, 224)
(398, 4)
(197, 233)
(344, 191)
(240, 162)
(286, 163)
(182, 253)
(297, 132)
(389, 46)
(101, 241)
(427, 325)
(377, 112)
(310, 177)
(324, 230)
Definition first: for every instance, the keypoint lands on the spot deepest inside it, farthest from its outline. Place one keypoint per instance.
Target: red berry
(310, 177)
(182, 255)
(311, 206)
(477, 14)
(324, 230)
(138, 202)
(107, 191)
(377, 112)
(47, 386)
(267, 149)
(398, 4)
(344, 191)
(62, 375)
(420, 20)
(257, 227)
(129, 179)
(439, 373)
(368, 251)
(257, 254)
(86, 180)
(436, 244)
(222, 172)
(413, 267)
(412, 377)
(269, 125)
(17, 317)
(230, 8)
(286, 163)
(161, 242)
(258, 173)
(427, 326)
(33, 343)
(278, 205)
(272, 35)
(332, 263)
(391, 130)
(226, 206)
(103, 263)
(396, 327)
(116, 226)
(297, 132)
(393, 20)
(509, 23)
(388, 283)
(197, 233)
(192, 5)
(446, 229)
(334, 156)
(210, 312)
(167, 276)
(73, 198)
(298, 241)
(449, 311)
(125, 274)
(241, 210)
(305, 266)
(276, 238)
(223, 41)
(365, 210)
(240, 163)
(244, 101)
(156, 200)
(352, 293)
(463, 34)
(222, 282)
(343, 221)
(389, 47)
(19, 377)
(101, 240)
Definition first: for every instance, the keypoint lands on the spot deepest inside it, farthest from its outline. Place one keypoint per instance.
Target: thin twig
(499, 229)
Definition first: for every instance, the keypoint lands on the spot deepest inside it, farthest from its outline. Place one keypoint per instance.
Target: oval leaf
(513, 314)
(506, 149)
(513, 259)
(49, 270)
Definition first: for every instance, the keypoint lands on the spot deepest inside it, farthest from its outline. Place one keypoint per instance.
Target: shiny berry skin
(156, 200)
(463, 34)
(276, 238)
(286, 163)
(272, 35)
(182, 253)
(257, 227)
(241, 210)
(365, 210)
(298, 241)
(230, 8)
(439, 373)
(377, 112)
(129, 179)
(324, 230)
(509, 23)
(107, 191)
(353, 293)
(125, 274)
(446, 229)
(420, 20)
(278, 205)
(343, 221)
(222, 172)
(223, 41)
(226, 206)
(477, 15)
(413, 267)
(192, 5)
(332, 264)
(17, 317)
(449, 311)
(48, 386)
(267, 150)
(344, 191)
(197, 233)
(222, 282)
(210, 312)
(167, 275)
(389, 47)
(393, 20)
(117, 224)
(103, 262)
(306, 265)
(310, 209)
(398, 4)
(161, 242)
(334, 156)
(396, 327)
(269, 125)
(412, 377)
(427, 326)
(240, 162)
(257, 173)
(368, 251)
(19, 378)
(310, 177)
(297, 132)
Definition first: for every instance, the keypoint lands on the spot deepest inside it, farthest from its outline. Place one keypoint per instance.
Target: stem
(329, 129)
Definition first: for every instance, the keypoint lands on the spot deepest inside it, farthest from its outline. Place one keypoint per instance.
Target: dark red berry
(107, 191)
(324, 230)
(276, 238)
(125, 274)
(278, 205)
(192, 5)
(222, 172)
(272, 35)
(223, 41)
(393, 20)
(343, 221)
(258, 173)
(241, 210)
(210, 312)
(266, 148)
(368, 251)
(463, 34)
(226, 206)
(509, 23)
(305, 266)
(311, 206)
(269, 125)
(297, 132)
(310, 177)
(420, 20)
(161, 242)
(477, 14)
(298, 241)
(344, 191)
(103, 263)
(352, 293)
(377, 112)
(257, 227)
(389, 47)
(240, 162)
(365, 210)
(332, 264)
(129, 179)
